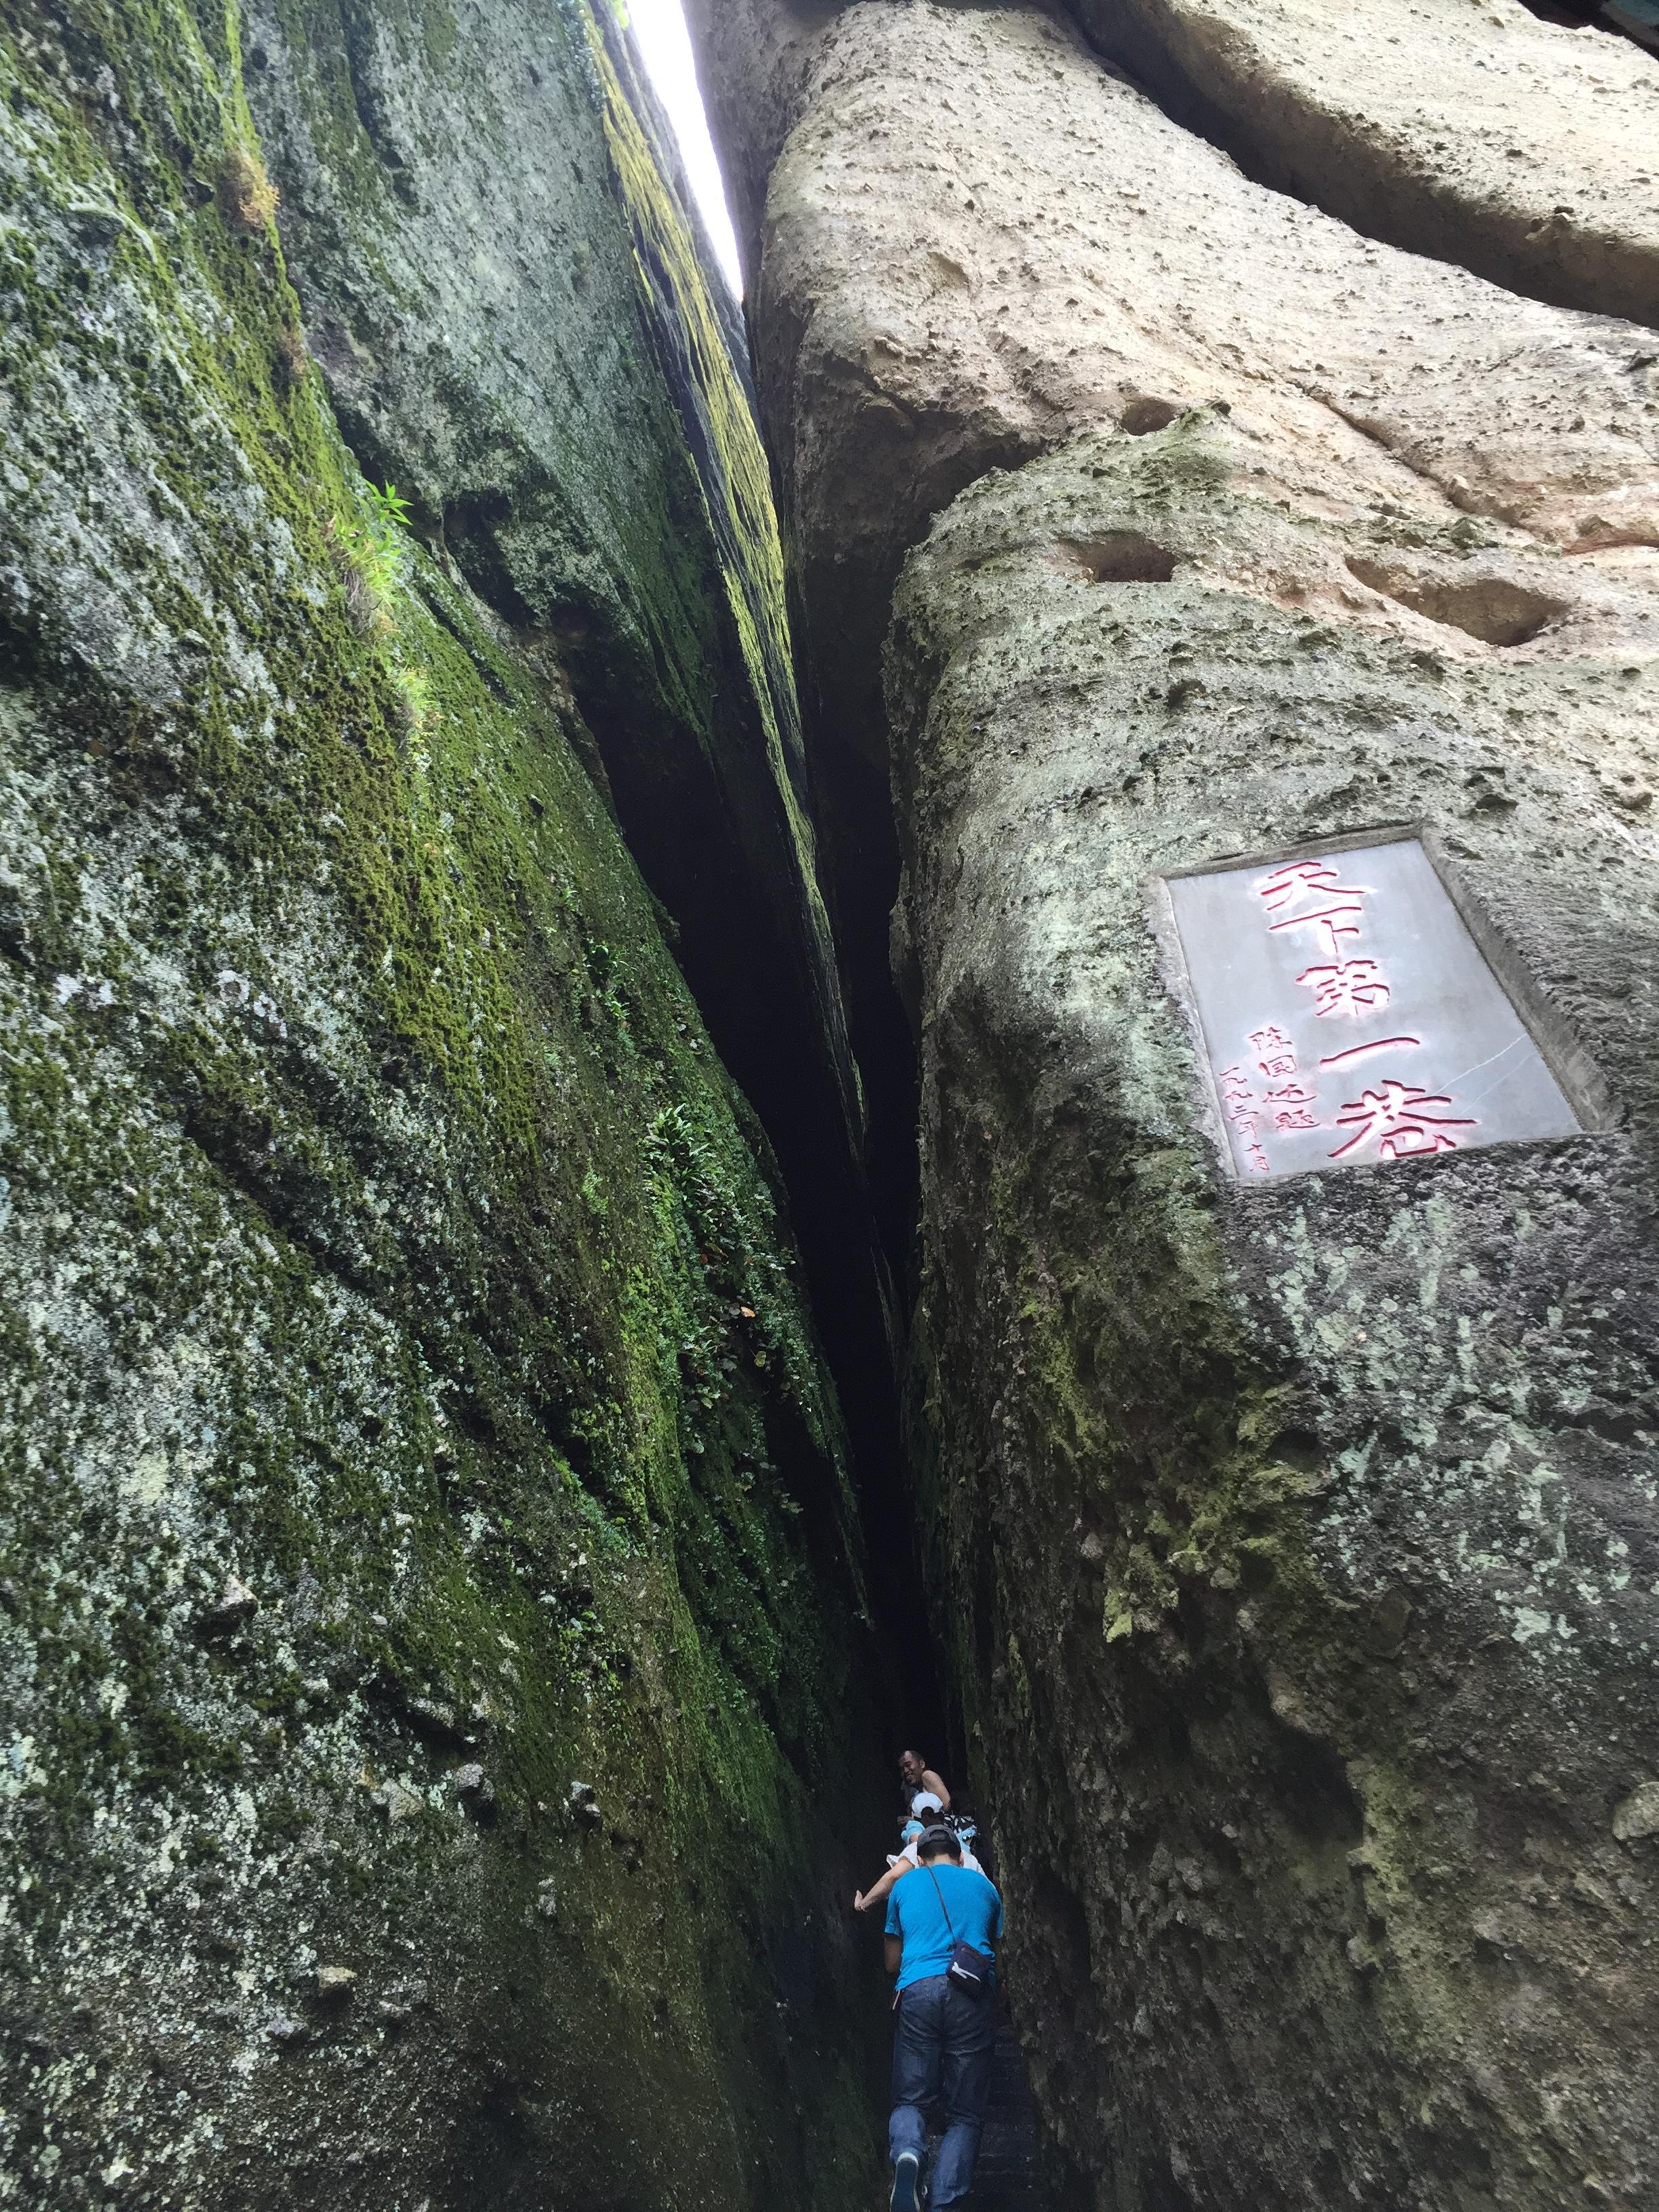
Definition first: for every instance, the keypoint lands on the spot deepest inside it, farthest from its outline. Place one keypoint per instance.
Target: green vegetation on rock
(1306, 1664)
(426, 1546)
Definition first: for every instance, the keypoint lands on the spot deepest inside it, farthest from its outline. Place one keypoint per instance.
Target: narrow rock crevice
(437, 1627)
(1221, 529)
(584, 1238)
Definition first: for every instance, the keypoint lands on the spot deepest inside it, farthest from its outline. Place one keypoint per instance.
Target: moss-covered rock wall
(504, 289)
(1296, 1540)
(430, 1610)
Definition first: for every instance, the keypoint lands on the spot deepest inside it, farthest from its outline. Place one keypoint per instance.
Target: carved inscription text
(1351, 1017)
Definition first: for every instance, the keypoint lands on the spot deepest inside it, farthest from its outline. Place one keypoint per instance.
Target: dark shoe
(907, 2184)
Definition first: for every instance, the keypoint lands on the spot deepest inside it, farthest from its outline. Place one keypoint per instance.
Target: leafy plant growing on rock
(374, 564)
(369, 550)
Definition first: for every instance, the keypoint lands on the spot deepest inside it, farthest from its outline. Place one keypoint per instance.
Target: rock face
(1298, 1543)
(1040, 250)
(588, 459)
(752, 57)
(1474, 132)
(430, 1613)
(957, 282)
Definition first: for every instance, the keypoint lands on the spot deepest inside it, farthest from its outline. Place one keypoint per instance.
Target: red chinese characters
(1294, 1108)
(1348, 987)
(1391, 1120)
(1290, 1104)
(1364, 1051)
(1238, 1104)
(1402, 1119)
(1335, 907)
(1277, 1051)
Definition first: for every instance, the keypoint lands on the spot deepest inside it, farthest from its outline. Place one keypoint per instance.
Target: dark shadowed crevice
(1144, 415)
(472, 525)
(764, 996)
(1123, 557)
(1591, 15)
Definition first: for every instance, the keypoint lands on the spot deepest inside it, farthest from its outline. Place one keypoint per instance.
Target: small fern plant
(369, 548)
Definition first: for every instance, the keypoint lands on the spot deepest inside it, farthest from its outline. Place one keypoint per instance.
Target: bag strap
(943, 1906)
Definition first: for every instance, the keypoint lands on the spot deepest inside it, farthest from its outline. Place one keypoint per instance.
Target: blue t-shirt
(916, 1911)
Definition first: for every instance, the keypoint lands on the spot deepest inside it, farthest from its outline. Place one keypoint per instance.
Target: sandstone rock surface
(1527, 150)
(1297, 1544)
(978, 241)
(751, 57)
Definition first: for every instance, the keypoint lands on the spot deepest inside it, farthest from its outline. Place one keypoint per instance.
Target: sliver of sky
(665, 46)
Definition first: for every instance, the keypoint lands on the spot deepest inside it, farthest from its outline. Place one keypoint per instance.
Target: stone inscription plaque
(1350, 1018)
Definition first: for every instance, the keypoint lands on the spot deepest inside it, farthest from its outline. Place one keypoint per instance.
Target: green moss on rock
(426, 1544)
(507, 302)
(1284, 1529)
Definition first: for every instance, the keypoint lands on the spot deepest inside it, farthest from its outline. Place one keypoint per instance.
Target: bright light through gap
(665, 46)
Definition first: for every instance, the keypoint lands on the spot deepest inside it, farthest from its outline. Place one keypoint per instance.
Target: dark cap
(932, 1841)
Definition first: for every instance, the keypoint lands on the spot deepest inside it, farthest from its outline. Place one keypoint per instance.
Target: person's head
(924, 1800)
(912, 1766)
(938, 1844)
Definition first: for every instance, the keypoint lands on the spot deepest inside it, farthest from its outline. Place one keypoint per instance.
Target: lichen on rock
(411, 1403)
(1294, 1547)
(506, 298)
(1295, 1543)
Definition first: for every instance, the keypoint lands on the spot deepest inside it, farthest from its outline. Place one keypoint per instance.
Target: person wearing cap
(926, 1791)
(905, 1861)
(945, 2030)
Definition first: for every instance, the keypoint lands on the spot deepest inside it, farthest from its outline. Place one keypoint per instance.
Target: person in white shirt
(927, 1805)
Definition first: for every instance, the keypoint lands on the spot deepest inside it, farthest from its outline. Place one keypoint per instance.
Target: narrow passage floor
(1016, 2171)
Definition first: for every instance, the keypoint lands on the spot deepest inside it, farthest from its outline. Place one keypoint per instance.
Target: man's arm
(879, 1893)
(894, 1948)
(936, 1784)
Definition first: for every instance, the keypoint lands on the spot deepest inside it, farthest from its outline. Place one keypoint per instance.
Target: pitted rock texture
(1298, 1547)
(1527, 150)
(430, 1611)
(1300, 1544)
(979, 241)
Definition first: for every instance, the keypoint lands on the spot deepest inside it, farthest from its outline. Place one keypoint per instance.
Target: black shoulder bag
(969, 1968)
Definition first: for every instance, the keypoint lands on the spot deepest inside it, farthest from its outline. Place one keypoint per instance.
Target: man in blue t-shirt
(944, 2035)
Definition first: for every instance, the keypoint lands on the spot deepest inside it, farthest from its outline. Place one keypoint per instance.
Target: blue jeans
(942, 2044)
